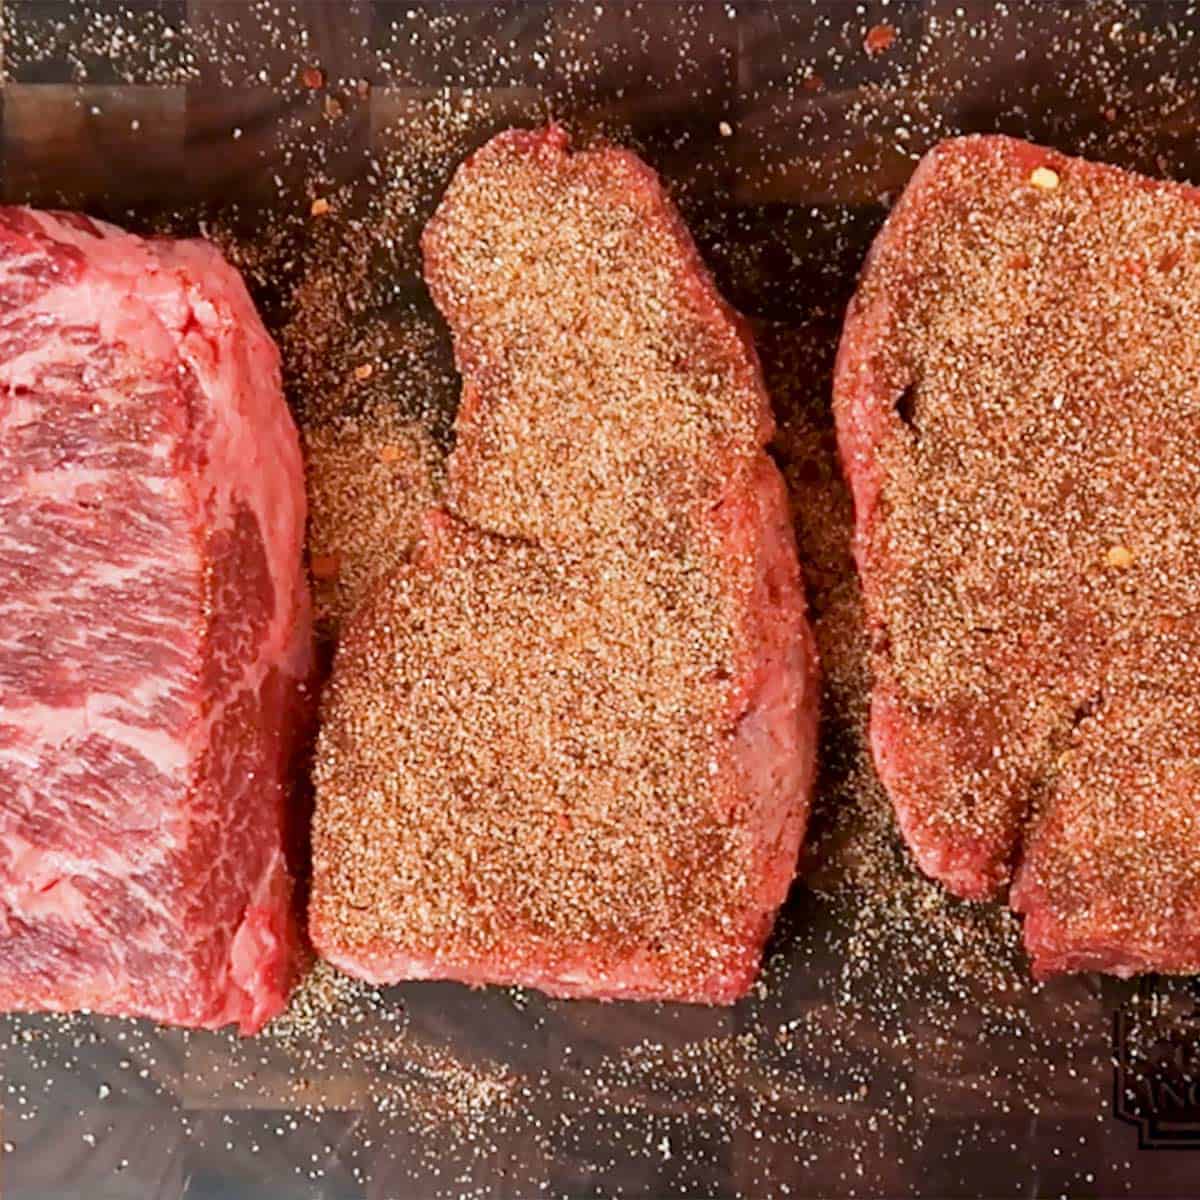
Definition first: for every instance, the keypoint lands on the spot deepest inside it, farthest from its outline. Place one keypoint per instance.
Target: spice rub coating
(570, 744)
(1018, 406)
(608, 389)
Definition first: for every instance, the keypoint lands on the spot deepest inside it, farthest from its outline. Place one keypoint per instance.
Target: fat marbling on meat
(154, 630)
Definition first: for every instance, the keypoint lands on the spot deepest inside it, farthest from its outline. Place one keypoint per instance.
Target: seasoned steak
(1018, 408)
(570, 745)
(154, 630)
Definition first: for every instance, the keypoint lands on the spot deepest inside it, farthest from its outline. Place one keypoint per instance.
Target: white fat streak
(64, 482)
(32, 869)
(91, 574)
(55, 725)
(112, 575)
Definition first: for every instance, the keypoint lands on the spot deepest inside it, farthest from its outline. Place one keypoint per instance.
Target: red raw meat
(570, 746)
(154, 630)
(1018, 405)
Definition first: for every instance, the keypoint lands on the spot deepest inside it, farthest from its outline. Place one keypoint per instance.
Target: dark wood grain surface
(785, 142)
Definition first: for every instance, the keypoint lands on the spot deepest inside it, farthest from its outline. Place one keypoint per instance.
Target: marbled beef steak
(154, 630)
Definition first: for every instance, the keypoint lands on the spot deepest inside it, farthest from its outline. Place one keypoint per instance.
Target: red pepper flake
(879, 40)
(1169, 260)
(326, 566)
(312, 77)
(813, 83)
(1020, 261)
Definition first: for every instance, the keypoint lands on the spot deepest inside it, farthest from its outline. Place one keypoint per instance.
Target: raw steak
(1018, 407)
(570, 745)
(154, 630)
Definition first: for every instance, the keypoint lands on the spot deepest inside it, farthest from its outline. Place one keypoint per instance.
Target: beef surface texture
(1018, 408)
(154, 630)
(570, 744)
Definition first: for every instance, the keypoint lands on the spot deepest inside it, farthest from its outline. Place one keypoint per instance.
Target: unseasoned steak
(1018, 408)
(154, 630)
(571, 744)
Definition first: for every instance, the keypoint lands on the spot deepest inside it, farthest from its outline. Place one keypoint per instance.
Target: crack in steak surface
(1017, 399)
(570, 745)
(154, 630)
